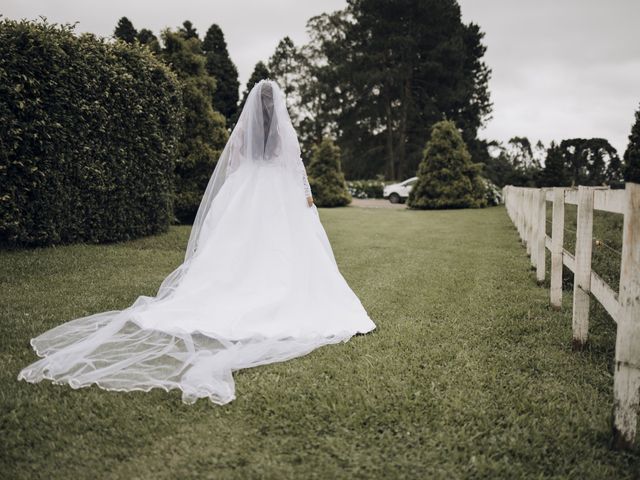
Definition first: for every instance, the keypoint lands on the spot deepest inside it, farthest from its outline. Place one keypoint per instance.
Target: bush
(492, 193)
(87, 140)
(446, 176)
(325, 176)
(366, 188)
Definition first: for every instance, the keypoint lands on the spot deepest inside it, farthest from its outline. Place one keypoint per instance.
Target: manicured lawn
(469, 374)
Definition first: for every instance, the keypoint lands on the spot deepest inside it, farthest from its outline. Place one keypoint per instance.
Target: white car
(399, 192)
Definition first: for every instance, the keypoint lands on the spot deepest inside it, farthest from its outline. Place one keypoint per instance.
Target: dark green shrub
(87, 138)
(446, 176)
(325, 176)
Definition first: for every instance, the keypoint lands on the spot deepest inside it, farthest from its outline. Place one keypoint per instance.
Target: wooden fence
(527, 209)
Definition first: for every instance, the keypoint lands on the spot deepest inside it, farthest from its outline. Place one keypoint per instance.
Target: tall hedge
(87, 138)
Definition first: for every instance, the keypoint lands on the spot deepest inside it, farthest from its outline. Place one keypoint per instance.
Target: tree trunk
(402, 131)
(391, 170)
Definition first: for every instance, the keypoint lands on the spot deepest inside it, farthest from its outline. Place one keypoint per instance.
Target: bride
(258, 285)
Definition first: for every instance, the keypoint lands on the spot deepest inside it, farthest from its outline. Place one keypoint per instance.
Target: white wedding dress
(259, 283)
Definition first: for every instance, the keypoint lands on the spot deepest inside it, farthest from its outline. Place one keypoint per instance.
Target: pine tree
(146, 37)
(632, 155)
(327, 182)
(260, 72)
(125, 30)
(614, 175)
(446, 176)
(220, 66)
(187, 31)
(283, 65)
(555, 173)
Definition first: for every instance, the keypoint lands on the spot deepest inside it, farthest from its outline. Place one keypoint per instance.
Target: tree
(393, 70)
(587, 159)
(632, 154)
(316, 103)
(495, 165)
(146, 37)
(125, 30)
(220, 66)
(520, 152)
(447, 178)
(325, 176)
(283, 65)
(555, 173)
(580, 161)
(187, 31)
(260, 72)
(516, 163)
(204, 132)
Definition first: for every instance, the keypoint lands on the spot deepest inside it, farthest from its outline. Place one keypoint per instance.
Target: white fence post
(557, 246)
(541, 217)
(530, 223)
(533, 216)
(523, 223)
(582, 276)
(626, 387)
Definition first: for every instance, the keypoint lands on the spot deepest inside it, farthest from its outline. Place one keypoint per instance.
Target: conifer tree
(260, 72)
(125, 30)
(204, 133)
(220, 66)
(447, 178)
(284, 65)
(327, 182)
(187, 30)
(146, 37)
(555, 173)
(632, 155)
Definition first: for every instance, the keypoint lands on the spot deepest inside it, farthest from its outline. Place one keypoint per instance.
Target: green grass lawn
(469, 373)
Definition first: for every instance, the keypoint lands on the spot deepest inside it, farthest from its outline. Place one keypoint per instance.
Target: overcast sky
(561, 68)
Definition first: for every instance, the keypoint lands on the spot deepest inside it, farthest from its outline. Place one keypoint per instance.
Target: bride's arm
(305, 182)
(236, 146)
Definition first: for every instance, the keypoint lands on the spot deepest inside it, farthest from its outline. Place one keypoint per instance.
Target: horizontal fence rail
(527, 209)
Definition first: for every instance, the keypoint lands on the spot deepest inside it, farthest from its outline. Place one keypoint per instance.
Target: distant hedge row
(366, 188)
(88, 132)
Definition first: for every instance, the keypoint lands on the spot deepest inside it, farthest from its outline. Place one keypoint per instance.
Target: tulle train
(263, 287)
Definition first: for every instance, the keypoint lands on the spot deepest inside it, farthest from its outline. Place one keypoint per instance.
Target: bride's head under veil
(263, 133)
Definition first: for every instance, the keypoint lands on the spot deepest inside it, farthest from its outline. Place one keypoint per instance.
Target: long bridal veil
(259, 283)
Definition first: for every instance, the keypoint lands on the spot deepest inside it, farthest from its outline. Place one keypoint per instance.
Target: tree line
(103, 141)
(574, 161)
(376, 77)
